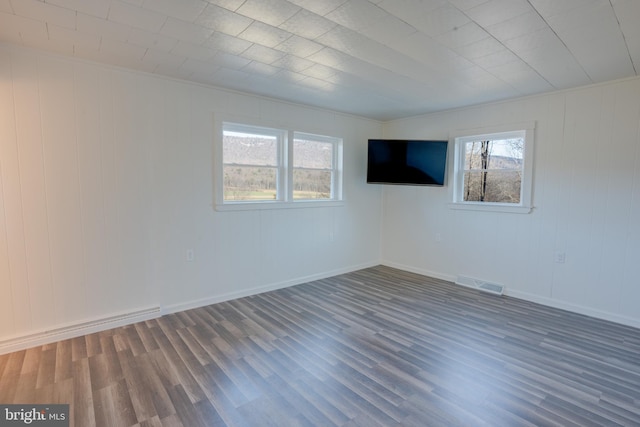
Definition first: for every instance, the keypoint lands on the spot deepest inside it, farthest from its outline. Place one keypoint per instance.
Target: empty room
(319, 213)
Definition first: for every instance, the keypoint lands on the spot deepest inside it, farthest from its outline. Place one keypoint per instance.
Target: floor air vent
(492, 288)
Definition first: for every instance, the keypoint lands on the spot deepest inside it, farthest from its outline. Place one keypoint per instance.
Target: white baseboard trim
(174, 308)
(73, 330)
(578, 309)
(549, 302)
(410, 269)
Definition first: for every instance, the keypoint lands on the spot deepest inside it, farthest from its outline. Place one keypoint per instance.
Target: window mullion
(287, 163)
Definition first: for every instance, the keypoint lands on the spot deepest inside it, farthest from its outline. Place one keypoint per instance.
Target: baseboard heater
(482, 285)
(77, 329)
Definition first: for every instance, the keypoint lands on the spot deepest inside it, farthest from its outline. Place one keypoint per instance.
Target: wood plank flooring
(376, 347)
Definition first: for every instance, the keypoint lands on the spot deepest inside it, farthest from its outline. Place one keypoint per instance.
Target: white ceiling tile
(627, 12)
(424, 49)
(288, 76)
(185, 31)
(556, 65)
(407, 8)
(264, 34)
(262, 54)
(231, 5)
(533, 40)
(136, 17)
(156, 56)
(330, 57)
(388, 31)
(192, 66)
(151, 40)
(192, 51)
(439, 21)
(612, 51)
(406, 52)
(461, 36)
(634, 51)
(45, 12)
(233, 79)
(226, 43)
(515, 27)
(341, 39)
(122, 49)
(593, 17)
(357, 14)
(319, 7)
(97, 8)
(293, 63)
(185, 10)
(227, 60)
(319, 71)
(299, 47)
(496, 11)
(167, 68)
(75, 38)
(13, 25)
(108, 29)
(467, 4)
(307, 24)
(499, 58)
(260, 69)
(548, 8)
(521, 77)
(55, 46)
(204, 75)
(272, 12)
(222, 20)
(317, 84)
(484, 47)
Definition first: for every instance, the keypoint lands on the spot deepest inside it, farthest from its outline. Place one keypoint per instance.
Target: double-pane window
(261, 164)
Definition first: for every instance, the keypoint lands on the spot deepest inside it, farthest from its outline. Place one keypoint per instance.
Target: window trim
(459, 138)
(284, 192)
(336, 165)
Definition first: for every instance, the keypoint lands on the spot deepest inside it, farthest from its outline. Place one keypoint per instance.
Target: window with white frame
(268, 167)
(493, 170)
(315, 172)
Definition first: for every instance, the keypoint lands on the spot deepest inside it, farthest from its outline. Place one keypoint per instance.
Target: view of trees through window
(493, 170)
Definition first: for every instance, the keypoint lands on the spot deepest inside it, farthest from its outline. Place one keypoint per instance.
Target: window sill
(491, 207)
(254, 206)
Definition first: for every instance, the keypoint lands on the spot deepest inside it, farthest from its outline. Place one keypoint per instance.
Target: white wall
(586, 197)
(106, 181)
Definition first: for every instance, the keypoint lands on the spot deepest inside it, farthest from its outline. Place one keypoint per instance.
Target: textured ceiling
(382, 59)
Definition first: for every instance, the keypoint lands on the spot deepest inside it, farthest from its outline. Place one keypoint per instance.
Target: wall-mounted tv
(408, 162)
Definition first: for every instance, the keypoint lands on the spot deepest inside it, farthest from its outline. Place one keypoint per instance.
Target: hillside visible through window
(493, 170)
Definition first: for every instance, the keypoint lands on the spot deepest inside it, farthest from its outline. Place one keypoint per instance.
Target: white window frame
(336, 164)
(284, 192)
(461, 138)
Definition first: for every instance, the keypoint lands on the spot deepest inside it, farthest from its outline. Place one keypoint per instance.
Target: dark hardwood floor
(376, 347)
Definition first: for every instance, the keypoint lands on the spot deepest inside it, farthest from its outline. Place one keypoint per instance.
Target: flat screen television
(407, 162)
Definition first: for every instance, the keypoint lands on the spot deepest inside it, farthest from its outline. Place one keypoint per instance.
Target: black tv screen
(409, 162)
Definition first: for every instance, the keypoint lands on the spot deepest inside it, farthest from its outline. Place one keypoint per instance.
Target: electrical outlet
(190, 255)
(438, 237)
(560, 257)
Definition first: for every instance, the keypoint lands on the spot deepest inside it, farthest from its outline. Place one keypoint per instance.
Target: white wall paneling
(106, 182)
(586, 192)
